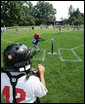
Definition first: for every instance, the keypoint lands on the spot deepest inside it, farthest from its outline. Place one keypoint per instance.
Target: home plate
(50, 53)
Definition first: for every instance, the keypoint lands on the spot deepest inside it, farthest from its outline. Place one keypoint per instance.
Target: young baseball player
(16, 29)
(3, 30)
(59, 29)
(73, 28)
(19, 81)
(68, 28)
(36, 39)
(77, 28)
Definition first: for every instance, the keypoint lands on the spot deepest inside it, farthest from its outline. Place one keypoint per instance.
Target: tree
(30, 14)
(75, 16)
(12, 12)
(30, 7)
(71, 10)
(24, 13)
(44, 12)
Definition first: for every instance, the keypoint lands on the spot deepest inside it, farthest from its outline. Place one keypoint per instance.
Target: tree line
(75, 16)
(23, 13)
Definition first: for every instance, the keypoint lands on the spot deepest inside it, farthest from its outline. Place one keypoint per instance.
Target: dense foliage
(21, 13)
(75, 16)
(24, 13)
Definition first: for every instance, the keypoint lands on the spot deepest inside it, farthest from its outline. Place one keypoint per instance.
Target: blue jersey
(35, 41)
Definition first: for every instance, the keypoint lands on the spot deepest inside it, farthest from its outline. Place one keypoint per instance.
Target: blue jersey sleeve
(38, 39)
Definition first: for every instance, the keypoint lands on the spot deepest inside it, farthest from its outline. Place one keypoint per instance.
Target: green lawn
(64, 79)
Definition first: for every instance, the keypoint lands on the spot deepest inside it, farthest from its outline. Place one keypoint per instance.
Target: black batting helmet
(17, 58)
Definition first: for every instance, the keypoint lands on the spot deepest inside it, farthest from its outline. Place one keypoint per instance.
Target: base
(50, 53)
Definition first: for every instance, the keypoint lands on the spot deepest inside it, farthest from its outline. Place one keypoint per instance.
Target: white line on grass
(78, 46)
(42, 58)
(61, 58)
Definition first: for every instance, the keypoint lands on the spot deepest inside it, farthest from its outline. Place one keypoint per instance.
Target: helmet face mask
(17, 57)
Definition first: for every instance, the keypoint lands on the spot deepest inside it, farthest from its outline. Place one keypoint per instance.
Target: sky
(63, 6)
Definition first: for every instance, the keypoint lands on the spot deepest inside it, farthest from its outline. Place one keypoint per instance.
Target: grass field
(64, 79)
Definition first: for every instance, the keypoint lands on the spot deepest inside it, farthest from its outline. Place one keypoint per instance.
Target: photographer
(20, 83)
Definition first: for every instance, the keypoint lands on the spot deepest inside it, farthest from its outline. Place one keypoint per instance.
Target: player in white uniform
(29, 87)
(3, 30)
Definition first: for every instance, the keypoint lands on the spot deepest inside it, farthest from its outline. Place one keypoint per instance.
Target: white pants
(37, 49)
